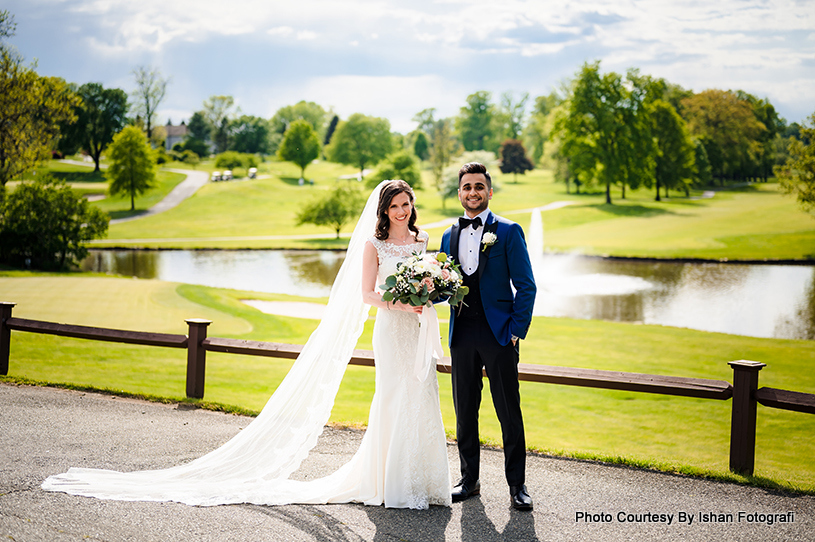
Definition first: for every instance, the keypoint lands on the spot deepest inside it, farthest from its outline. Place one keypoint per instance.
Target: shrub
(335, 209)
(232, 160)
(198, 146)
(399, 165)
(44, 225)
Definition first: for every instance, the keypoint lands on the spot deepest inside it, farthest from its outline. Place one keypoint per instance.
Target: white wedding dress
(402, 461)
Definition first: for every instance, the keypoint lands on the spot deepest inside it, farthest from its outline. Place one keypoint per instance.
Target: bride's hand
(409, 308)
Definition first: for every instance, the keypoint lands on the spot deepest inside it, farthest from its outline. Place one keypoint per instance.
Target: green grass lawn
(672, 433)
(73, 174)
(244, 209)
(754, 222)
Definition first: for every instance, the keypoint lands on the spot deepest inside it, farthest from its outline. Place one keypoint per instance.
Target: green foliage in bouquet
(424, 278)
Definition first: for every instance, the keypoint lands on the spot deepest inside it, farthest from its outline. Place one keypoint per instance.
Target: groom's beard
(475, 207)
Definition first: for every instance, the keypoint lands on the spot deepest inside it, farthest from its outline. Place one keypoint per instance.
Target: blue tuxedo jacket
(500, 267)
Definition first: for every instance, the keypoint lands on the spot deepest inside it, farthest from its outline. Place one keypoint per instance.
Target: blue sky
(392, 59)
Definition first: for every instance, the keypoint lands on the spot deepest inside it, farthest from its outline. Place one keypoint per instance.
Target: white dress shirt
(469, 244)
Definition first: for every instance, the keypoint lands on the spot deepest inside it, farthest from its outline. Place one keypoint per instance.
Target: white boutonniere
(487, 240)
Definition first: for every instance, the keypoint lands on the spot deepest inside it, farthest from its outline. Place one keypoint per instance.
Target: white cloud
(156, 23)
(453, 47)
(306, 35)
(280, 31)
(397, 98)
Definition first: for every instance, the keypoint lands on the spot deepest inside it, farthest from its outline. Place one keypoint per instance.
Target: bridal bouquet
(423, 278)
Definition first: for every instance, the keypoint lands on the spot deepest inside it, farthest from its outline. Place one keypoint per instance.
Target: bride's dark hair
(386, 195)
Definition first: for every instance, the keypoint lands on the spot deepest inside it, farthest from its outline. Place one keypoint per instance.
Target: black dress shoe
(520, 498)
(466, 489)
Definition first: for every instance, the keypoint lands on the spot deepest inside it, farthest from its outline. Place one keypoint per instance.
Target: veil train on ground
(260, 458)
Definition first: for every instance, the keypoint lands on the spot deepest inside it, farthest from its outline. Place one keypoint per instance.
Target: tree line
(601, 129)
(635, 130)
(598, 129)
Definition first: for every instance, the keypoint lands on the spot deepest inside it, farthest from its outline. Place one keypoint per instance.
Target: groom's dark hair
(475, 167)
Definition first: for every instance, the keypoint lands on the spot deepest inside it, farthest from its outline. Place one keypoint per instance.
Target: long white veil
(274, 445)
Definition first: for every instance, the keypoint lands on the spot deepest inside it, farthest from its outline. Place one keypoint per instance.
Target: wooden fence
(744, 391)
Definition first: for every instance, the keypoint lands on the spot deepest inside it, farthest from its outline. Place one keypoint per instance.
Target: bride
(402, 461)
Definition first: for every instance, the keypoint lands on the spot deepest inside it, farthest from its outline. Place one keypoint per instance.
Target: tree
(797, 175)
(329, 132)
(360, 141)
(7, 24)
(511, 115)
(249, 134)
(421, 147)
(197, 146)
(702, 172)
(475, 123)
(310, 112)
(199, 127)
(792, 130)
(132, 169)
(774, 125)
(218, 110)
(338, 207)
(44, 225)
(674, 94)
(158, 140)
(675, 149)
(514, 159)
(399, 165)
(301, 145)
(443, 146)
(101, 114)
(605, 129)
(199, 131)
(539, 126)
(31, 110)
(149, 93)
(728, 128)
(426, 120)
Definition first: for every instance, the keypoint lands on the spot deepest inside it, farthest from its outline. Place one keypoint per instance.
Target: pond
(744, 299)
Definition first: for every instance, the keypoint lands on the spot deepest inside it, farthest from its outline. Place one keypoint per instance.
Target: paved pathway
(46, 431)
(83, 163)
(182, 191)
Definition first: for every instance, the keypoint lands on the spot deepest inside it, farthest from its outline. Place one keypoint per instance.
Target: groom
(485, 330)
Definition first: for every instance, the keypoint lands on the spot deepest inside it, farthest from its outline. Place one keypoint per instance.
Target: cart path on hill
(192, 182)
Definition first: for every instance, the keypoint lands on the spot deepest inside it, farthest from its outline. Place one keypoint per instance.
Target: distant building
(175, 134)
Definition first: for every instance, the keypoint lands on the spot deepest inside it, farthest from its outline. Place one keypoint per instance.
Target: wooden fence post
(5, 335)
(743, 420)
(196, 357)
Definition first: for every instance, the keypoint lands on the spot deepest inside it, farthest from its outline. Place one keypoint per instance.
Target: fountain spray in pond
(561, 276)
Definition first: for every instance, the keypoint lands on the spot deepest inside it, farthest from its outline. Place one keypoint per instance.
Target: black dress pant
(474, 347)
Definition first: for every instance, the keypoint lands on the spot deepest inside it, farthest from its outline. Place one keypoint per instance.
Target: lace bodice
(390, 254)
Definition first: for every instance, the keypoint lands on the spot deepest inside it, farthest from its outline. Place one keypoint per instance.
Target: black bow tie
(474, 222)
